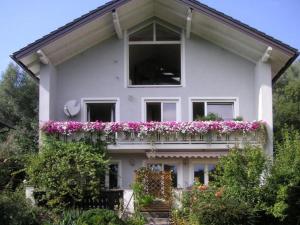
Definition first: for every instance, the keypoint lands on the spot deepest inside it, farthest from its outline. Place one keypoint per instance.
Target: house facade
(158, 60)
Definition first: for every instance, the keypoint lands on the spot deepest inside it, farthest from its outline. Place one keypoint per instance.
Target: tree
(286, 100)
(19, 108)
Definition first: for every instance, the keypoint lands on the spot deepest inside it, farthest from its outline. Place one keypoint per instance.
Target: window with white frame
(202, 172)
(112, 178)
(100, 110)
(223, 108)
(161, 110)
(154, 54)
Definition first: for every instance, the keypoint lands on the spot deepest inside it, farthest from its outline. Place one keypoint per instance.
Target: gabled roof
(97, 25)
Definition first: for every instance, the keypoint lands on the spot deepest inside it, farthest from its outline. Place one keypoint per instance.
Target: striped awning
(208, 154)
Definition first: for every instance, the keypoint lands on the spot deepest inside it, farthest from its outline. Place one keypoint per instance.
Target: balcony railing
(159, 133)
(208, 138)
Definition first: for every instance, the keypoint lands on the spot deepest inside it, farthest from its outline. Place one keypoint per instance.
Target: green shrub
(68, 172)
(12, 172)
(238, 118)
(280, 192)
(210, 205)
(69, 217)
(136, 219)
(99, 216)
(210, 117)
(241, 173)
(15, 210)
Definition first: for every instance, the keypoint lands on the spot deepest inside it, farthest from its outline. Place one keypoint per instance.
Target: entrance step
(157, 206)
(158, 221)
(157, 218)
(157, 213)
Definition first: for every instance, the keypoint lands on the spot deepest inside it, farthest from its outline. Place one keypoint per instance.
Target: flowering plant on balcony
(143, 129)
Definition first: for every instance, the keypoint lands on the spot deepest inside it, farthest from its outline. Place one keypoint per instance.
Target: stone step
(156, 214)
(158, 221)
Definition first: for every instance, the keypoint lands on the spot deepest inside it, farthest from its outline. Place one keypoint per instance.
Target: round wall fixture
(72, 108)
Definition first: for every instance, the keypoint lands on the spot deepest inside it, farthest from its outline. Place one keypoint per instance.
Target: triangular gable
(116, 16)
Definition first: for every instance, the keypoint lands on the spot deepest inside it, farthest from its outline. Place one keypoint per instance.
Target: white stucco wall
(210, 72)
(47, 93)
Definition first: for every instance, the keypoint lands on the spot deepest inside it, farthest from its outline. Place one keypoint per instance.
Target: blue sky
(22, 21)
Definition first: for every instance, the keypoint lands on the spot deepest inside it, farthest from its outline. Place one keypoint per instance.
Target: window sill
(154, 86)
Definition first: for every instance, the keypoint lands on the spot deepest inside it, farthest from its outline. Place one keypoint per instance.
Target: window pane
(199, 173)
(211, 169)
(104, 112)
(165, 34)
(153, 111)
(169, 111)
(198, 110)
(173, 170)
(145, 34)
(102, 181)
(223, 109)
(113, 175)
(155, 167)
(154, 64)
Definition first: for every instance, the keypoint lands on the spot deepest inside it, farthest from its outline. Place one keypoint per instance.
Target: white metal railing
(211, 138)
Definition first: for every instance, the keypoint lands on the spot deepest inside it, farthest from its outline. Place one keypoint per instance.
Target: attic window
(155, 56)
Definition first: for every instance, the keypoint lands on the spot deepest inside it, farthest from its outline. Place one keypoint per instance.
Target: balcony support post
(263, 96)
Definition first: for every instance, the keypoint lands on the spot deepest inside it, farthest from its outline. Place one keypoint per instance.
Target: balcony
(162, 135)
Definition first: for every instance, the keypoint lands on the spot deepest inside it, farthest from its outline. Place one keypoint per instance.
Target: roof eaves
(109, 6)
(285, 67)
(238, 24)
(34, 77)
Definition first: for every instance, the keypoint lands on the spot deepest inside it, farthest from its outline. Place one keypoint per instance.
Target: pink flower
(146, 128)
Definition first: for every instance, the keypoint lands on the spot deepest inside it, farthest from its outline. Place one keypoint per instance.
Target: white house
(159, 60)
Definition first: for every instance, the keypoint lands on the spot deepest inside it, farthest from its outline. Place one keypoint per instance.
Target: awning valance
(202, 154)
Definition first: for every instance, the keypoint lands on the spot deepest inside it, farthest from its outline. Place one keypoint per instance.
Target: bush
(209, 205)
(140, 197)
(280, 192)
(68, 172)
(136, 219)
(241, 173)
(99, 216)
(15, 210)
(12, 172)
(69, 217)
(210, 117)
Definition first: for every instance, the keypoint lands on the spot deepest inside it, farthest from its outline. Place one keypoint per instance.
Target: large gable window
(155, 55)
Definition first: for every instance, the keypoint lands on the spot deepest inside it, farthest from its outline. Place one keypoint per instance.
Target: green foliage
(284, 178)
(99, 216)
(241, 173)
(69, 217)
(15, 210)
(210, 117)
(212, 206)
(238, 118)
(136, 219)
(12, 172)
(19, 108)
(68, 171)
(286, 100)
(234, 197)
(141, 199)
